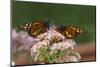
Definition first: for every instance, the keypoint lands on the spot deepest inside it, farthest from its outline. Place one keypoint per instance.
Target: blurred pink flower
(21, 41)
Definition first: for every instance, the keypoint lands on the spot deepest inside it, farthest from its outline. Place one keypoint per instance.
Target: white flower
(71, 59)
(67, 59)
(42, 36)
(69, 43)
(39, 45)
(54, 34)
(50, 35)
(63, 45)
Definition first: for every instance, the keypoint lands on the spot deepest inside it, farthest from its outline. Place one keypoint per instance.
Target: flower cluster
(21, 40)
(48, 47)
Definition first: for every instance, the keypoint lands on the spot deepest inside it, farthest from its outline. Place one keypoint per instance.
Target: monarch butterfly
(69, 32)
(35, 28)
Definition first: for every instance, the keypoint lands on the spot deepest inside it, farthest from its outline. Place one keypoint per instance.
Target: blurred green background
(59, 14)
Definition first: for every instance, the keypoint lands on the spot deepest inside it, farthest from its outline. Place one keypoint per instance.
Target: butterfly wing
(38, 28)
(35, 28)
(69, 32)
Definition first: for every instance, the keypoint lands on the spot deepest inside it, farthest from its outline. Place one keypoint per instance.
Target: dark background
(58, 14)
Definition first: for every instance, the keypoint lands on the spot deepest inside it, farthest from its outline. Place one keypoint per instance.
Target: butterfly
(69, 32)
(35, 28)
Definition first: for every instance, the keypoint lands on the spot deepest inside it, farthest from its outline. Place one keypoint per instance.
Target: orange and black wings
(69, 32)
(35, 28)
(38, 28)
